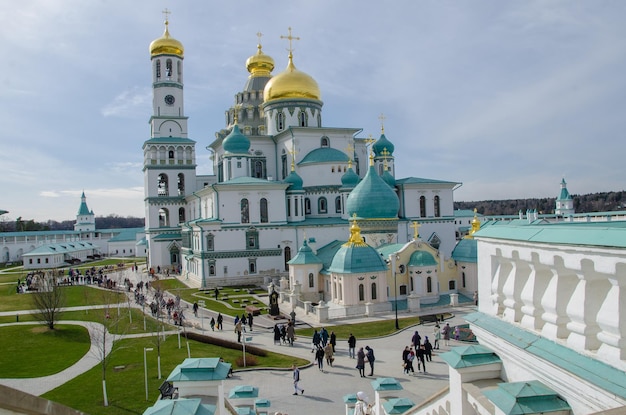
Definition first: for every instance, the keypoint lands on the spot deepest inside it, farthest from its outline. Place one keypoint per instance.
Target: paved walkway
(324, 390)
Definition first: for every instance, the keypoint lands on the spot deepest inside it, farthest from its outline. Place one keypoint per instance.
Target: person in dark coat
(276, 334)
(428, 349)
(370, 359)
(319, 356)
(421, 353)
(220, 319)
(316, 341)
(333, 340)
(324, 336)
(351, 345)
(360, 362)
(416, 340)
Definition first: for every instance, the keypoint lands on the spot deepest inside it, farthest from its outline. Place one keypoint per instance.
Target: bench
(255, 311)
(168, 390)
(430, 318)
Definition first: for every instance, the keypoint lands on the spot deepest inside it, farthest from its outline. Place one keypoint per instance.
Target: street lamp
(145, 367)
(395, 286)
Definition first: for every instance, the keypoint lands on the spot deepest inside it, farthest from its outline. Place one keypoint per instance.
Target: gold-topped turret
(166, 45)
(355, 234)
(260, 64)
(475, 225)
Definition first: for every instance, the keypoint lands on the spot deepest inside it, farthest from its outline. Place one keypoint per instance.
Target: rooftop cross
(382, 119)
(290, 38)
(293, 153)
(415, 227)
(385, 155)
(350, 151)
(166, 13)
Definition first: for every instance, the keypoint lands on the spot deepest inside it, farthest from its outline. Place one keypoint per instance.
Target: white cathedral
(284, 182)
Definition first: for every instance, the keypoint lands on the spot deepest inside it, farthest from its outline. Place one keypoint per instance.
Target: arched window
(307, 206)
(280, 121)
(164, 217)
(181, 184)
(338, 204)
(332, 169)
(162, 185)
(168, 68)
(170, 154)
(211, 269)
(158, 68)
(374, 293)
(245, 211)
(181, 215)
(322, 205)
(325, 142)
(284, 165)
(361, 292)
(311, 280)
(437, 207)
(422, 206)
(429, 285)
(302, 119)
(259, 170)
(451, 284)
(263, 204)
(252, 266)
(210, 242)
(287, 256)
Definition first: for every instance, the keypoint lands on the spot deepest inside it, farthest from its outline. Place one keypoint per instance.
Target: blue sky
(505, 97)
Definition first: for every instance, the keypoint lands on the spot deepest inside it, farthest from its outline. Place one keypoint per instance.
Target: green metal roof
(305, 256)
(422, 259)
(324, 155)
(168, 236)
(83, 209)
(350, 179)
(372, 198)
(389, 179)
(386, 384)
(166, 140)
(530, 397)
(126, 235)
(469, 356)
(388, 249)
(353, 259)
(236, 142)
(564, 193)
(200, 369)
(381, 144)
(63, 248)
(327, 253)
(612, 234)
(181, 406)
(465, 251)
(464, 213)
(294, 180)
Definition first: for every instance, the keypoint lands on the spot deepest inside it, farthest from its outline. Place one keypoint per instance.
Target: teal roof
(465, 251)
(200, 369)
(243, 391)
(422, 259)
(125, 235)
(63, 248)
(386, 384)
(168, 236)
(470, 356)
(324, 155)
(389, 179)
(564, 193)
(83, 209)
(464, 213)
(350, 179)
(305, 256)
(530, 397)
(167, 140)
(327, 253)
(356, 258)
(419, 180)
(398, 405)
(236, 142)
(373, 198)
(294, 180)
(381, 144)
(612, 234)
(249, 180)
(181, 406)
(593, 371)
(388, 249)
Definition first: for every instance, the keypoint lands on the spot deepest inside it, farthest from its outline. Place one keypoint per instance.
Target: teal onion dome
(350, 179)
(355, 256)
(381, 144)
(236, 142)
(294, 180)
(389, 179)
(373, 198)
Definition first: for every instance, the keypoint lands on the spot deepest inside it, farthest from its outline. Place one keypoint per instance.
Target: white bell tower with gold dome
(169, 155)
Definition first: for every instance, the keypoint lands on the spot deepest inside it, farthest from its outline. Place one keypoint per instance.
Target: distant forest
(593, 202)
(102, 222)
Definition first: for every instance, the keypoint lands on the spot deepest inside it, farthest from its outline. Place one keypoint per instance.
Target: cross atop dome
(382, 119)
(290, 38)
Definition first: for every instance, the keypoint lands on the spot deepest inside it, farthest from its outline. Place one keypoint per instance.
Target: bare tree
(48, 299)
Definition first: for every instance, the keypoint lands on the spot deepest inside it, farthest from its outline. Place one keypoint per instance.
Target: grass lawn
(63, 347)
(125, 375)
(75, 296)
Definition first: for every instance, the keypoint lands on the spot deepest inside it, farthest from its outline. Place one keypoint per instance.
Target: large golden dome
(260, 64)
(166, 45)
(291, 83)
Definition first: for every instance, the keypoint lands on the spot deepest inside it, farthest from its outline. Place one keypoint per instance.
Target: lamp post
(395, 287)
(145, 367)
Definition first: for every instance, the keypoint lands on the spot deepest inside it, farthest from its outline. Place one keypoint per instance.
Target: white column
(612, 318)
(502, 270)
(535, 286)
(512, 290)
(555, 300)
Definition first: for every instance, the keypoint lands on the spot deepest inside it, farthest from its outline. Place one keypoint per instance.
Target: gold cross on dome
(382, 119)
(259, 35)
(369, 140)
(350, 151)
(293, 153)
(166, 13)
(415, 227)
(385, 155)
(290, 38)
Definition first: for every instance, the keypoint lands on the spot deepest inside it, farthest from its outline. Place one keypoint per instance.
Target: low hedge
(257, 351)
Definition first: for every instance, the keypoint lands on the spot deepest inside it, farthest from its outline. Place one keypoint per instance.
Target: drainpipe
(202, 269)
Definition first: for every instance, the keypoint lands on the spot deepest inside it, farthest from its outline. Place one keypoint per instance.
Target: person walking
(212, 323)
(437, 333)
(328, 354)
(360, 362)
(351, 345)
(324, 336)
(238, 331)
(319, 356)
(333, 340)
(421, 359)
(370, 359)
(244, 322)
(416, 340)
(446, 334)
(195, 309)
(405, 355)
(220, 319)
(296, 380)
(362, 406)
(250, 321)
(457, 333)
(291, 333)
(315, 341)
(276, 334)
(409, 362)
(428, 349)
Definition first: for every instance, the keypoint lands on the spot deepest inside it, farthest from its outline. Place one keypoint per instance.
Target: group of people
(418, 351)
(363, 356)
(285, 333)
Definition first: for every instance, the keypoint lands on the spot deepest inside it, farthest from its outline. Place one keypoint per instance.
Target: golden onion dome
(260, 64)
(166, 45)
(291, 83)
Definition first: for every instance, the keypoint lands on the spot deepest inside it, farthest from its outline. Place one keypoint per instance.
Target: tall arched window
(322, 205)
(451, 285)
(212, 269)
(158, 69)
(252, 266)
(374, 293)
(311, 280)
(181, 215)
(280, 121)
(245, 211)
(361, 292)
(422, 206)
(287, 256)
(168, 68)
(162, 185)
(325, 142)
(263, 205)
(429, 285)
(437, 206)
(307, 206)
(338, 204)
(170, 154)
(284, 165)
(164, 217)
(181, 184)
(302, 119)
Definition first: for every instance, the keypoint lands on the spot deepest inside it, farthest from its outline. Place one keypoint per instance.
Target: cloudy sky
(505, 97)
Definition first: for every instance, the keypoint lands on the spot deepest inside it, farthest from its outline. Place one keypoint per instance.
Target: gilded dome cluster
(166, 45)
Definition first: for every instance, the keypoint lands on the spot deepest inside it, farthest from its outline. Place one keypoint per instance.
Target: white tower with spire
(564, 203)
(85, 219)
